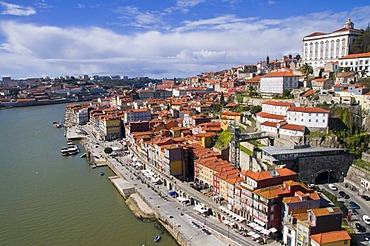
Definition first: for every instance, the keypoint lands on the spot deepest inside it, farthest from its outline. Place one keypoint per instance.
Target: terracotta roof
(331, 237)
(321, 80)
(270, 116)
(278, 103)
(315, 34)
(280, 74)
(269, 123)
(346, 29)
(229, 113)
(308, 110)
(255, 79)
(258, 176)
(359, 55)
(308, 93)
(293, 127)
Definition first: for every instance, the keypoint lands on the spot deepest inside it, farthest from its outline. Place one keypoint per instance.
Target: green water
(49, 199)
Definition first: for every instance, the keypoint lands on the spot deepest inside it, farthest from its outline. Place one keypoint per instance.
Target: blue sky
(159, 38)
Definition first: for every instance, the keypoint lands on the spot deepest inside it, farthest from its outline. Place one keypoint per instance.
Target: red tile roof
(270, 116)
(280, 74)
(278, 103)
(359, 55)
(308, 110)
(331, 237)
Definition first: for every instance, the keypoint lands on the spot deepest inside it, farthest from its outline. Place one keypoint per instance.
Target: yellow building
(110, 127)
(205, 139)
(229, 118)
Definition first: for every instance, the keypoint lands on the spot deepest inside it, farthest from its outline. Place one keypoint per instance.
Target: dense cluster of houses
(176, 135)
(174, 126)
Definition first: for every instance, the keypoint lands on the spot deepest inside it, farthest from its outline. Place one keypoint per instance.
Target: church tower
(349, 24)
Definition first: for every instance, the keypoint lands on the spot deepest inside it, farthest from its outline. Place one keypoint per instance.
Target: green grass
(223, 138)
(246, 150)
(361, 163)
(256, 143)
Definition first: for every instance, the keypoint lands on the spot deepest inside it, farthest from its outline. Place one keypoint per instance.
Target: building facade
(320, 48)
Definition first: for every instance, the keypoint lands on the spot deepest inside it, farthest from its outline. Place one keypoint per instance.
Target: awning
(252, 225)
(265, 231)
(182, 199)
(261, 223)
(172, 193)
(256, 236)
(226, 222)
(199, 209)
(258, 228)
(251, 233)
(273, 229)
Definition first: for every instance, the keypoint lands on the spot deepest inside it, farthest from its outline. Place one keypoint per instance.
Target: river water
(50, 199)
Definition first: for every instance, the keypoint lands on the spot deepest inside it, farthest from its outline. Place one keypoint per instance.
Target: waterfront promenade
(150, 198)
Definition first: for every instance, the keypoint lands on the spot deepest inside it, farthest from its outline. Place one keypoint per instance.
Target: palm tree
(306, 70)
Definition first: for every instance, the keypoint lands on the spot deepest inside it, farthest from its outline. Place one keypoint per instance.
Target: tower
(349, 24)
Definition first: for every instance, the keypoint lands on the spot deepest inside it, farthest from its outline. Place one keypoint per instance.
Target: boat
(83, 155)
(101, 173)
(64, 151)
(57, 124)
(73, 149)
(157, 238)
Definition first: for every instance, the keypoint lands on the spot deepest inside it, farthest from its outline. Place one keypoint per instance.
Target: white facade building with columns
(320, 48)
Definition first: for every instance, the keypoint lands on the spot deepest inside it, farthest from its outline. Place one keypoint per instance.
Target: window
(317, 120)
(309, 120)
(323, 121)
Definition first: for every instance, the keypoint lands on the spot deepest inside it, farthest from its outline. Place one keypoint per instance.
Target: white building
(357, 62)
(309, 117)
(276, 107)
(133, 115)
(276, 82)
(320, 48)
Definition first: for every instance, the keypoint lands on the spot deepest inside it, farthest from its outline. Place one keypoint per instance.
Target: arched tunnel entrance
(325, 177)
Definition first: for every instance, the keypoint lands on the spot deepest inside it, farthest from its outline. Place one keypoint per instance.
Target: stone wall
(365, 157)
(355, 176)
(310, 167)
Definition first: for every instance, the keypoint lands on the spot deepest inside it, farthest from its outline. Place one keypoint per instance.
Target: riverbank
(133, 200)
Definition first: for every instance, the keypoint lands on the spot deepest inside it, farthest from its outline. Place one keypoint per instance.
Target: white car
(366, 219)
(332, 187)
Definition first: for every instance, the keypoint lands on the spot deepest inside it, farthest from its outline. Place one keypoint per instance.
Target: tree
(108, 150)
(306, 70)
(362, 42)
(255, 109)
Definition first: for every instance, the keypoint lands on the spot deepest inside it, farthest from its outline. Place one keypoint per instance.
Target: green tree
(362, 42)
(108, 150)
(255, 109)
(306, 70)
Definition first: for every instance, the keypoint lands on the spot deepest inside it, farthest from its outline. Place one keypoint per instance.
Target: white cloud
(194, 47)
(134, 17)
(14, 9)
(183, 5)
(271, 2)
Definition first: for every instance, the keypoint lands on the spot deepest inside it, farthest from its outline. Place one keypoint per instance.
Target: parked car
(365, 197)
(366, 219)
(354, 205)
(343, 194)
(360, 227)
(332, 187)
(367, 236)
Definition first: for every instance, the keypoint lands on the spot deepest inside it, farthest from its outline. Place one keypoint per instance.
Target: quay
(150, 201)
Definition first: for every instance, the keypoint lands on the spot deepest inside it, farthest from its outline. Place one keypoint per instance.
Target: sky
(159, 38)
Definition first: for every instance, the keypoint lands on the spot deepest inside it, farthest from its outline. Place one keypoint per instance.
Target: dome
(349, 24)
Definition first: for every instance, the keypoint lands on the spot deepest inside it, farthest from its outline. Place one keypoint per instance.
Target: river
(50, 199)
